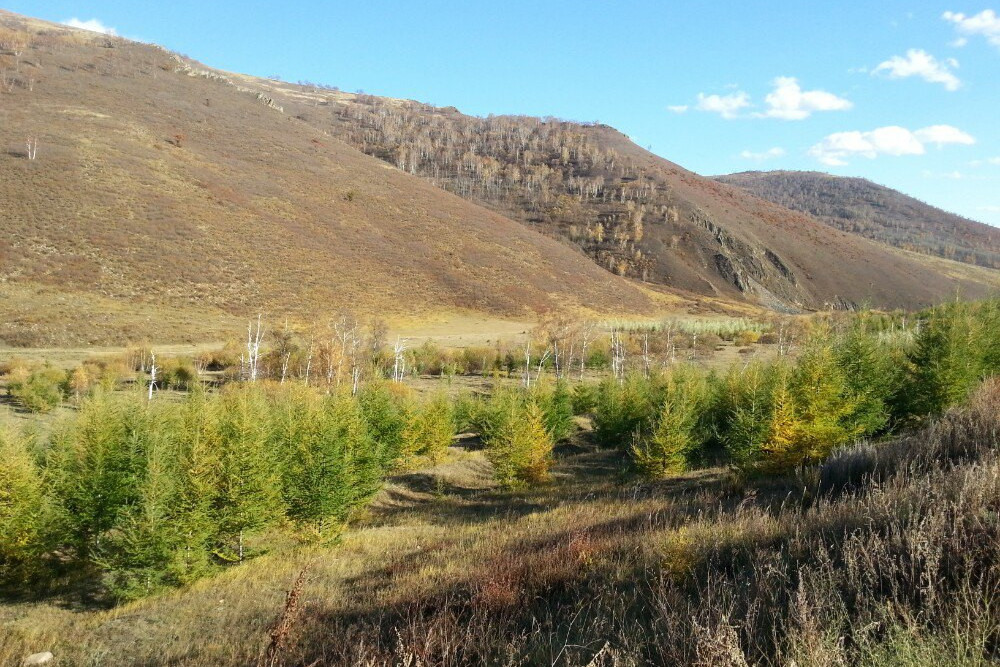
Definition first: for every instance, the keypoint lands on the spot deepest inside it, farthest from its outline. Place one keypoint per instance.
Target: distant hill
(167, 197)
(862, 207)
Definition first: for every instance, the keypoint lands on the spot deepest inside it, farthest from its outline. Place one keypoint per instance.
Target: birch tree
(249, 361)
(399, 360)
(152, 375)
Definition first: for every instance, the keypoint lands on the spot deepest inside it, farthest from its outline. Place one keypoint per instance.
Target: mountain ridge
(169, 185)
(861, 206)
(569, 179)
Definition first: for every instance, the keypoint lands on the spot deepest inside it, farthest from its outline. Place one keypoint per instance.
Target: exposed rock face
(43, 658)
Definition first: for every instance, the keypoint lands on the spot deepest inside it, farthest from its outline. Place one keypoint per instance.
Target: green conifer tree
(519, 447)
(92, 469)
(196, 521)
(22, 511)
(557, 407)
(946, 362)
(249, 490)
(138, 549)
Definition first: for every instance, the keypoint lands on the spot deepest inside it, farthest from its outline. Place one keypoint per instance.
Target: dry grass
(898, 567)
(697, 234)
(248, 212)
(119, 228)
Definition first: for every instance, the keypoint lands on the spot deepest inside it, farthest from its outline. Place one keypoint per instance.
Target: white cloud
(93, 25)
(727, 106)
(764, 155)
(790, 102)
(678, 108)
(987, 161)
(986, 23)
(922, 64)
(941, 135)
(836, 149)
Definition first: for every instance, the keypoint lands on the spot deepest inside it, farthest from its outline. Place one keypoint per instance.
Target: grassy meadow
(815, 491)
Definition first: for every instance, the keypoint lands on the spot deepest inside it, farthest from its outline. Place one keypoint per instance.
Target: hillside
(862, 207)
(159, 202)
(634, 213)
(168, 199)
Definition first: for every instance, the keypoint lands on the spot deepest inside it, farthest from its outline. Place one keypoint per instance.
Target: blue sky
(904, 93)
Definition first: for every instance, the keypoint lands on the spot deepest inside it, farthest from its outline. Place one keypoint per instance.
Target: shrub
(745, 338)
(220, 360)
(37, 391)
(429, 359)
(177, 373)
(768, 338)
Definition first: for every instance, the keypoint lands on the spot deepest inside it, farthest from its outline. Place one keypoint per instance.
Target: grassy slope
(448, 570)
(254, 210)
(780, 257)
(115, 233)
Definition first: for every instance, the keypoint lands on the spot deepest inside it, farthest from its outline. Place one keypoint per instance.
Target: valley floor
(592, 568)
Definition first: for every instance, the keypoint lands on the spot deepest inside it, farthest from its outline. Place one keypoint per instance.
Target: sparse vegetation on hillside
(161, 197)
(861, 207)
(634, 214)
(251, 211)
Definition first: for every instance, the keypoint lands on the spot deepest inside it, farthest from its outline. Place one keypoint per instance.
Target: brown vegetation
(635, 214)
(862, 207)
(143, 195)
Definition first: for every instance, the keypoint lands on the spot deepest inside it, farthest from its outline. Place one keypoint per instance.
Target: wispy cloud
(986, 24)
(763, 155)
(727, 106)
(836, 149)
(994, 161)
(94, 25)
(678, 108)
(790, 102)
(921, 64)
(954, 175)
